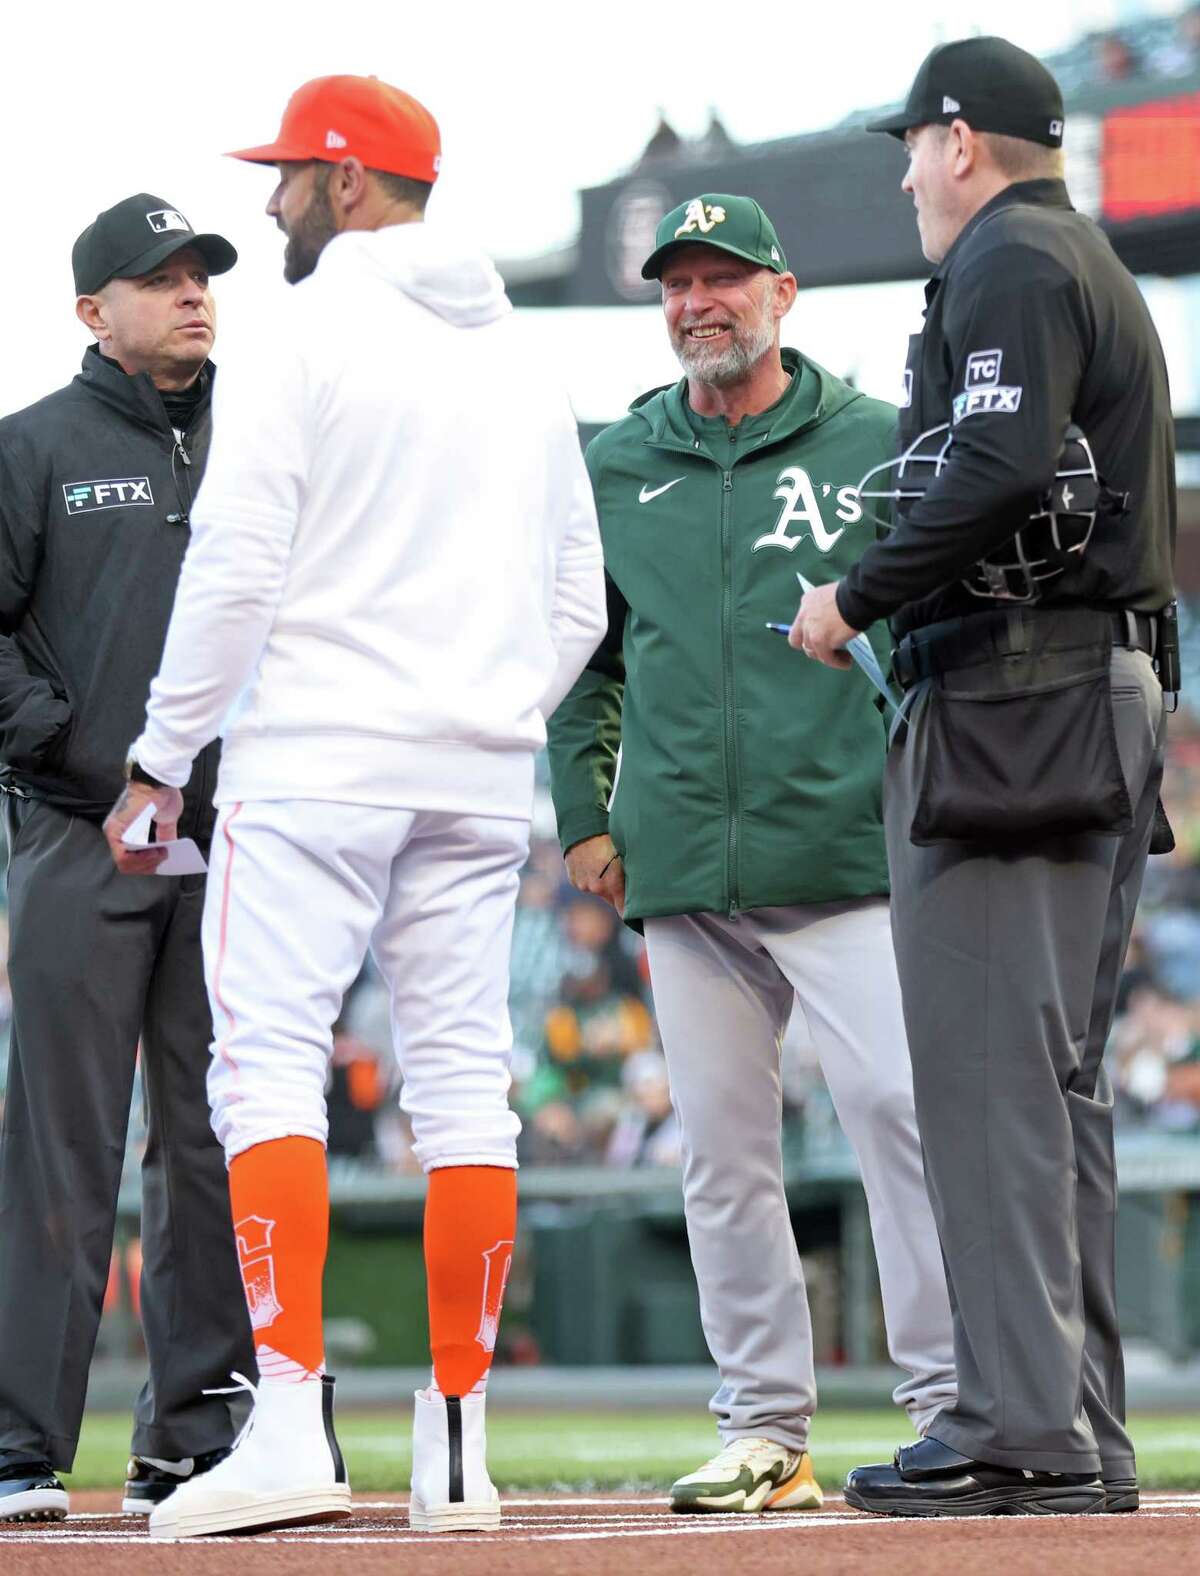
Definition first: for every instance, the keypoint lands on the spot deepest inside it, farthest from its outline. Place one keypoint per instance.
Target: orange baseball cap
(331, 118)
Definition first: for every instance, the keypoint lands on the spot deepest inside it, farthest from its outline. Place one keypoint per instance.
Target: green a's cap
(732, 224)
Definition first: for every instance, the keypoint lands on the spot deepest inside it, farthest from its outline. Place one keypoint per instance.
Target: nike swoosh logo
(652, 492)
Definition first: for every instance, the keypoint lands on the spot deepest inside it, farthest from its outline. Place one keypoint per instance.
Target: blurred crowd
(1145, 49)
(1154, 1053)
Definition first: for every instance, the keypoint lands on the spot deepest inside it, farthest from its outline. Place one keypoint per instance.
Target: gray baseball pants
(723, 992)
(1010, 965)
(97, 959)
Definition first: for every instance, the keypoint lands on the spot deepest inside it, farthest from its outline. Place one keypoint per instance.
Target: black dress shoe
(930, 1479)
(29, 1491)
(148, 1482)
(1120, 1494)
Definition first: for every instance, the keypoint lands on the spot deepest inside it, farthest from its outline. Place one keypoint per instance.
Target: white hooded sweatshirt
(395, 568)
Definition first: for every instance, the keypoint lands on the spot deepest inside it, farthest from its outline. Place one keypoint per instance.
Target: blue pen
(780, 629)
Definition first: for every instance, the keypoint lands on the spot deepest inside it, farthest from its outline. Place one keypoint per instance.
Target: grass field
(635, 1450)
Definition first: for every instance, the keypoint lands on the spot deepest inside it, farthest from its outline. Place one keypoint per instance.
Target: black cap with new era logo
(989, 83)
(134, 236)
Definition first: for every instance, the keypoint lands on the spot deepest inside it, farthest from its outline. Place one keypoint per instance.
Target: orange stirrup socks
(280, 1197)
(470, 1223)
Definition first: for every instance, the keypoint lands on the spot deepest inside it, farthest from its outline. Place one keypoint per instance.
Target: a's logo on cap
(163, 219)
(950, 106)
(700, 215)
(334, 139)
(1056, 128)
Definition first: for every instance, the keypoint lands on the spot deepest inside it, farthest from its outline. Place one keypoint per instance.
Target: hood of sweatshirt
(439, 270)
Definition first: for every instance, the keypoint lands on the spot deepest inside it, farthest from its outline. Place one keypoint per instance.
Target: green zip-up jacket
(731, 772)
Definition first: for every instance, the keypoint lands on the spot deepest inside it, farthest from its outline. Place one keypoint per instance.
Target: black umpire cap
(989, 83)
(134, 236)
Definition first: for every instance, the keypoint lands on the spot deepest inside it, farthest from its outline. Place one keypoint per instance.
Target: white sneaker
(750, 1475)
(285, 1470)
(451, 1490)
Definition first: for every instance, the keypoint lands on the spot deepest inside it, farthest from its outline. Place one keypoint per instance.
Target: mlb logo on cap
(163, 219)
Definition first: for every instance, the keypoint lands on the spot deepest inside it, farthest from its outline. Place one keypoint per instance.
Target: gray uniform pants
(723, 992)
(1009, 966)
(95, 959)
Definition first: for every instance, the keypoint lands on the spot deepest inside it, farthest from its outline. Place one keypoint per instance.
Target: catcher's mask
(1059, 528)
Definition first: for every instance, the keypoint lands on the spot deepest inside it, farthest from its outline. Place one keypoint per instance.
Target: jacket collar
(1037, 194)
(812, 397)
(134, 396)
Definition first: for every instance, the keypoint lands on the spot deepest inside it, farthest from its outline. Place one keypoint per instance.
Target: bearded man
(727, 797)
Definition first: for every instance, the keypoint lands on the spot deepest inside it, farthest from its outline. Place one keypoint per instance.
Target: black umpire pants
(1009, 965)
(97, 959)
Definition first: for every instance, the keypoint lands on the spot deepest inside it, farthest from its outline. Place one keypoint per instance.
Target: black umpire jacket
(95, 493)
(1031, 322)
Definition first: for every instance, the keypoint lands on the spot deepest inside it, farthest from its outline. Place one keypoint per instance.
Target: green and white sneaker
(750, 1475)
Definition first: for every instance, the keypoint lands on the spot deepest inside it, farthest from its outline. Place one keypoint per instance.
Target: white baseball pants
(723, 992)
(297, 891)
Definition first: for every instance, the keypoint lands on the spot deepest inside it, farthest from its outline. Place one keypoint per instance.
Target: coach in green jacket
(727, 795)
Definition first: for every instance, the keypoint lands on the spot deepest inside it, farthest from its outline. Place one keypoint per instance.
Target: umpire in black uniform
(1031, 600)
(96, 482)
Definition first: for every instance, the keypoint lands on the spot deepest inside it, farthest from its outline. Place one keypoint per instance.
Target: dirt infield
(553, 1536)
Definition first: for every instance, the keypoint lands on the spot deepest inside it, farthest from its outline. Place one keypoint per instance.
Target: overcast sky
(535, 100)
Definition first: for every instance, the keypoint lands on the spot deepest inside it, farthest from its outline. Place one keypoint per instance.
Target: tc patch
(119, 492)
(983, 369)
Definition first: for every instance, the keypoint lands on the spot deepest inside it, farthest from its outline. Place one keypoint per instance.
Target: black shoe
(930, 1479)
(148, 1481)
(29, 1491)
(1120, 1494)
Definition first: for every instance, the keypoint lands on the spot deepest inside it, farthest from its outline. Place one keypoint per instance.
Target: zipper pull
(728, 485)
(184, 455)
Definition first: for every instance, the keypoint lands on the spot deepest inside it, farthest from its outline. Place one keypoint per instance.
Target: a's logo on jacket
(795, 488)
(119, 492)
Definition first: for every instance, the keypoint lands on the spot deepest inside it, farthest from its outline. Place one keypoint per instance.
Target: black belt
(962, 642)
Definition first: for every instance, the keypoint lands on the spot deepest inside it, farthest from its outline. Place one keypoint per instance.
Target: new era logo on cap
(163, 219)
(950, 106)
(334, 139)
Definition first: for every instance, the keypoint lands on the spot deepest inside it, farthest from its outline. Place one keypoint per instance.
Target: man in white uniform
(395, 573)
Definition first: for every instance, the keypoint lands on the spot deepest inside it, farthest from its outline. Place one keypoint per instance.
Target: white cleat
(285, 1470)
(451, 1490)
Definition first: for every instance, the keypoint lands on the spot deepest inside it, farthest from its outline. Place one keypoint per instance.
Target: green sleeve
(584, 735)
